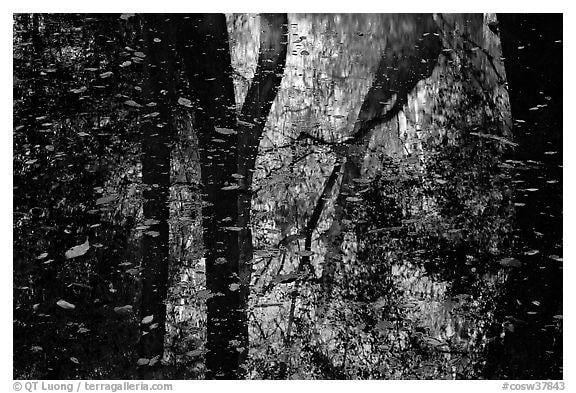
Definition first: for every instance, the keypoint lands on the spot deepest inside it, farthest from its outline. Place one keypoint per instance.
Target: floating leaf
(494, 137)
(123, 311)
(79, 90)
(139, 54)
(148, 319)
(230, 188)
(143, 361)
(106, 74)
(132, 103)
(74, 360)
(78, 250)
(42, 256)
(234, 287)
(185, 102)
(225, 131)
(65, 305)
(245, 124)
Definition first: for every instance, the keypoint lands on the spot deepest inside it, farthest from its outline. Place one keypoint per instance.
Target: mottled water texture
(287, 196)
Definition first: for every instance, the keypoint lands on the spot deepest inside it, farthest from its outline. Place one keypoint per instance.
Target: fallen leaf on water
(225, 131)
(132, 103)
(78, 250)
(245, 123)
(185, 102)
(148, 319)
(143, 361)
(79, 90)
(123, 311)
(65, 305)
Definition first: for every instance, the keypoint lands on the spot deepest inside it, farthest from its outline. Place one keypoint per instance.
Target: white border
(292, 6)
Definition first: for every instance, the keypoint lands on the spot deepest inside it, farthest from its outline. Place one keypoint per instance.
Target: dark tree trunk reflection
(204, 47)
(228, 152)
(157, 130)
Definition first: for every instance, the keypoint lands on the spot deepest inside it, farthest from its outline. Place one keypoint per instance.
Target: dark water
(288, 197)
